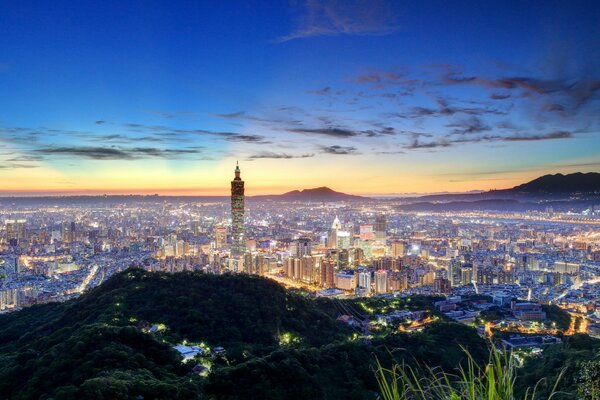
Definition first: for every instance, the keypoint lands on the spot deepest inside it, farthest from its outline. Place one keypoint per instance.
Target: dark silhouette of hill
(320, 194)
(572, 192)
(97, 346)
(562, 184)
(557, 185)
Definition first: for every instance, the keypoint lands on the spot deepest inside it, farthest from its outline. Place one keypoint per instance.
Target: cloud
(381, 79)
(578, 91)
(233, 115)
(100, 122)
(337, 132)
(469, 125)
(17, 166)
(447, 142)
(343, 17)
(499, 96)
(177, 133)
(95, 153)
(235, 137)
(268, 154)
(445, 110)
(332, 132)
(113, 153)
(416, 144)
(23, 158)
(546, 136)
(321, 92)
(339, 150)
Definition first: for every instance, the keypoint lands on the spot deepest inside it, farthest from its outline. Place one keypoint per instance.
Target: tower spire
(237, 214)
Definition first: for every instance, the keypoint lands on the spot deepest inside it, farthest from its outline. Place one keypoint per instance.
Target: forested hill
(99, 346)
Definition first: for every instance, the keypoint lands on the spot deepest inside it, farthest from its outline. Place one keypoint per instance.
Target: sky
(363, 96)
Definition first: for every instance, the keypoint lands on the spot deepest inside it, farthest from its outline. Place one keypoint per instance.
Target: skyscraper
(237, 215)
(15, 231)
(380, 228)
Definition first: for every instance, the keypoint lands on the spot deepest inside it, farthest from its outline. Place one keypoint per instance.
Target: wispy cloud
(416, 143)
(114, 153)
(339, 150)
(17, 166)
(577, 91)
(545, 136)
(339, 17)
(341, 133)
(268, 154)
(467, 126)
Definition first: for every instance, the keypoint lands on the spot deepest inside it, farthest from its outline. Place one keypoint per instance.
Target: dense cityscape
(348, 249)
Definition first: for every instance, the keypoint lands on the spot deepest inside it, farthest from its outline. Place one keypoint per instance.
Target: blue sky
(441, 95)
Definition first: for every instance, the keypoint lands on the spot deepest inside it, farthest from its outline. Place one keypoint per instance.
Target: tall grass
(494, 381)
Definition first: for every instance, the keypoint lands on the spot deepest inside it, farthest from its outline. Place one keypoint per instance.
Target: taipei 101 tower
(237, 215)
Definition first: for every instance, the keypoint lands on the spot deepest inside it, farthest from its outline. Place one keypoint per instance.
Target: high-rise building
(15, 231)
(364, 280)
(300, 247)
(397, 249)
(381, 281)
(380, 228)
(67, 231)
(332, 237)
(237, 215)
(366, 232)
(220, 235)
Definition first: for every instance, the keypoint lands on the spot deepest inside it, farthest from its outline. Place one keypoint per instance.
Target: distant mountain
(554, 191)
(320, 194)
(562, 184)
(545, 187)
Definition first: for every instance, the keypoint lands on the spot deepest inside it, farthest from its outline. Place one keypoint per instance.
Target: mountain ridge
(318, 194)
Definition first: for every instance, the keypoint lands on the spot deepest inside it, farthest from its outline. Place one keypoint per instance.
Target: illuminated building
(366, 232)
(380, 228)
(441, 285)
(237, 215)
(327, 273)
(345, 281)
(343, 240)
(67, 232)
(397, 249)
(381, 281)
(332, 237)
(15, 231)
(220, 233)
(364, 280)
(300, 247)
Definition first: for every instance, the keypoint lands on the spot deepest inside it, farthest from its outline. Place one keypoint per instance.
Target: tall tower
(237, 215)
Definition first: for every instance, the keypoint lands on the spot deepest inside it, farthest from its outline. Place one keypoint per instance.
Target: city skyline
(368, 98)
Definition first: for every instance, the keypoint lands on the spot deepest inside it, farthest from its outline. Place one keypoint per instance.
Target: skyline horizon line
(179, 192)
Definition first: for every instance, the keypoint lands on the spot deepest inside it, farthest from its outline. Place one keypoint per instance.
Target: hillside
(320, 194)
(560, 184)
(572, 192)
(97, 346)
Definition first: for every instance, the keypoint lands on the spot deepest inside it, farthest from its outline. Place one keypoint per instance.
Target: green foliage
(588, 380)
(492, 314)
(493, 381)
(88, 348)
(342, 370)
(94, 347)
(556, 314)
(566, 358)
